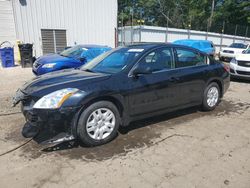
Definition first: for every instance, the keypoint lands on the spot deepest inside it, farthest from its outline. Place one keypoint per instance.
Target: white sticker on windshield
(135, 50)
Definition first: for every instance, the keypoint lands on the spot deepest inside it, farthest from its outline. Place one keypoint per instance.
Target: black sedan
(120, 86)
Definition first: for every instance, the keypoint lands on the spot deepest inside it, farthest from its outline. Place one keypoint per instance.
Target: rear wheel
(211, 97)
(98, 123)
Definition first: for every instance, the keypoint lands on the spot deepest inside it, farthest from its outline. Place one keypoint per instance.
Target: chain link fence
(230, 29)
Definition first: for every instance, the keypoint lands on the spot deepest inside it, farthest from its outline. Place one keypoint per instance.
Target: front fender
(82, 100)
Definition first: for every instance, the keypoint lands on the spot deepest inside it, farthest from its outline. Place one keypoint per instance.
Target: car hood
(54, 58)
(68, 78)
(236, 50)
(243, 57)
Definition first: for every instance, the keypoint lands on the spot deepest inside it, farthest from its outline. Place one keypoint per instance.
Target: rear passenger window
(187, 58)
(159, 59)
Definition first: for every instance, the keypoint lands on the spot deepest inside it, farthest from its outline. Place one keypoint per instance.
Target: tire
(211, 97)
(98, 123)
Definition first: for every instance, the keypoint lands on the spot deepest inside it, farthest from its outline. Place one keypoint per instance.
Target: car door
(191, 69)
(155, 91)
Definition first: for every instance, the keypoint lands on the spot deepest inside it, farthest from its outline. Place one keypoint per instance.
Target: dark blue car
(205, 46)
(70, 58)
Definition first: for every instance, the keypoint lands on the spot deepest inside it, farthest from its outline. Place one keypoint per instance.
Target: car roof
(149, 46)
(89, 46)
(145, 45)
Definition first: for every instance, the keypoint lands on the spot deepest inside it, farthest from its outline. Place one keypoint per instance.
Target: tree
(194, 14)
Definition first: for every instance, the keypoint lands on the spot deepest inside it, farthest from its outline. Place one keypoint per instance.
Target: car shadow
(157, 119)
(139, 134)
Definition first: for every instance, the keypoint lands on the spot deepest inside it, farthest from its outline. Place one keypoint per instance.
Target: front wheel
(98, 123)
(211, 97)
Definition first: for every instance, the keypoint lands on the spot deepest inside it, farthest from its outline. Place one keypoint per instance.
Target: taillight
(226, 67)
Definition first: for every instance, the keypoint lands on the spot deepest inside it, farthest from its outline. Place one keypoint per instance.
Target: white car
(240, 65)
(228, 53)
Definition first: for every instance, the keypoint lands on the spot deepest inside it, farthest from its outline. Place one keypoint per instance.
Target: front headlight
(234, 61)
(49, 65)
(55, 99)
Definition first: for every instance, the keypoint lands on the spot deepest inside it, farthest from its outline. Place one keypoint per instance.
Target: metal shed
(53, 24)
(7, 24)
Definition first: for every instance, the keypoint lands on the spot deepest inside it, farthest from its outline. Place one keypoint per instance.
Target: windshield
(73, 52)
(238, 45)
(112, 61)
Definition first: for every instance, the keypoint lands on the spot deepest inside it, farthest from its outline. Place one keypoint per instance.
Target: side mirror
(141, 69)
(244, 51)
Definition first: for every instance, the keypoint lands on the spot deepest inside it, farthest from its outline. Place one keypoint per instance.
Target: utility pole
(132, 20)
(222, 32)
(166, 39)
(207, 32)
(189, 28)
(122, 34)
(246, 34)
(235, 32)
(140, 22)
(211, 16)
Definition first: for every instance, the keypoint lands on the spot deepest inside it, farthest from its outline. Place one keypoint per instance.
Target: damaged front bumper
(49, 126)
(44, 125)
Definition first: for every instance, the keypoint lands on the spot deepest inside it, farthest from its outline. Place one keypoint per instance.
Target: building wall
(7, 24)
(85, 21)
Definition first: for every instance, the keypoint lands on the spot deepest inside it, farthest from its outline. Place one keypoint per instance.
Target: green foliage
(194, 14)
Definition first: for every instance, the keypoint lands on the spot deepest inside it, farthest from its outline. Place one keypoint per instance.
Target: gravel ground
(187, 148)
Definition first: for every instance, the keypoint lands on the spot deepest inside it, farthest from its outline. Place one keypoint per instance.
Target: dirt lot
(188, 148)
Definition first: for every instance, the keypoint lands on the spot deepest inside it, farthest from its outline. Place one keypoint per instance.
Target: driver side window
(159, 59)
